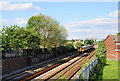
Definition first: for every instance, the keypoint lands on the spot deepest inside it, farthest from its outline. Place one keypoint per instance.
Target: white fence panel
(86, 71)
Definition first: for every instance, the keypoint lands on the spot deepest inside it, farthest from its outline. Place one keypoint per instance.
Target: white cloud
(17, 21)
(17, 6)
(114, 14)
(94, 28)
(94, 23)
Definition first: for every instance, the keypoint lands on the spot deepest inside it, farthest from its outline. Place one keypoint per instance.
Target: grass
(88, 61)
(110, 70)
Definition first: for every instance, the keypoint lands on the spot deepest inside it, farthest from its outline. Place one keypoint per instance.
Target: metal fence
(86, 71)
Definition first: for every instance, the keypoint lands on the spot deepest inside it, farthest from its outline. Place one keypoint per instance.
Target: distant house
(77, 40)
(112, 43)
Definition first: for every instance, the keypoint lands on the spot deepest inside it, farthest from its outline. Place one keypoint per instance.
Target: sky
(81, 19)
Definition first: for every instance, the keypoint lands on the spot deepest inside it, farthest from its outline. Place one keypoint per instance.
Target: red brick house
(112, 43)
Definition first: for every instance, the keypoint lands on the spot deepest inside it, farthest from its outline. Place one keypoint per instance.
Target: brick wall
(110, 46)
(117, 56)
(9, 65)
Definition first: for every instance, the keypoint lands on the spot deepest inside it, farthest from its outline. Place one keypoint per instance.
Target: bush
(49, 49)
(88, 42)
(69, 47)
(98, 70)
(78, 44)
(63, 49)
(60, 49)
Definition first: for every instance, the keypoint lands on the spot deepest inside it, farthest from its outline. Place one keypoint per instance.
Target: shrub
(49, 49)
(60, 49)
(78, 44)
(98, 70)
(69, 47)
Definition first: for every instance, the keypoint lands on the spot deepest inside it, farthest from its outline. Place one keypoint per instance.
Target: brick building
(112, 43)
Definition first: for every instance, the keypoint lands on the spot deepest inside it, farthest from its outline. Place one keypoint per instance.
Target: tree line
(41, 31)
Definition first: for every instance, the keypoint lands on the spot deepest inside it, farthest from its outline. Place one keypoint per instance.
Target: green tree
(71, 41)
(48, 30)
(16, 37)
(8, 37)
(81, 40)
(77, 45)
(59, 36)
(69, 47)
(43, 25)
(88, 42)
(32, 40)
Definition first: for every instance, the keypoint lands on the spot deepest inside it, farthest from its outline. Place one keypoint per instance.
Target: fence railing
(84, 74)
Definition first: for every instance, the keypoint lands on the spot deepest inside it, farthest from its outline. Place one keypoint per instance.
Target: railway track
(69, 74)
(67, 69)
(45, 70)
(36, 69)
(58, 69)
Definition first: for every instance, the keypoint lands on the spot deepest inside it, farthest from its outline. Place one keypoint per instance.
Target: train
(82, 49)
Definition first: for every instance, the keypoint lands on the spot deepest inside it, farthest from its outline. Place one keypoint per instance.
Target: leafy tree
(77, 44)
(40, 29)
(88, 42)
(81, 40)
(48, 30)
(101, 50)
(69, 47)
(15, 37)
(61, 49)
(43, 25)
(72, 41)
(32, 40)
(9, 37)
(49, 48)
(59, 36)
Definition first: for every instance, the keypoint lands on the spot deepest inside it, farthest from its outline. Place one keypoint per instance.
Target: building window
(117, 43)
